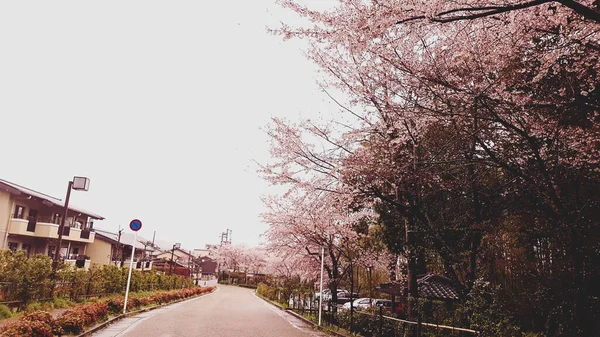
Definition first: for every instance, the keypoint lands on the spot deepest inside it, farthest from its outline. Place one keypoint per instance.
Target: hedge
(26, 280)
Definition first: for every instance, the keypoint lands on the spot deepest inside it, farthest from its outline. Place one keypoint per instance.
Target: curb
(115, 319)
(304, 319)
(315, 324)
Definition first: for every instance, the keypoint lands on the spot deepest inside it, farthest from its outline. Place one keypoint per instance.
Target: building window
(13, 246)
(51, 250)
(19, 212)
(26, 248)
(56, 218)
(33, 214)
(76, 251)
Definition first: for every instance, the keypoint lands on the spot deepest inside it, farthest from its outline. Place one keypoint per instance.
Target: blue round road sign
(135, 225)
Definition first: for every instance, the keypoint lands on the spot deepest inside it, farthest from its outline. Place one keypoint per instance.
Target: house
(208, 268)
(429, 286)
(208, 251)
(177, 261)
(199, 252)
(178, 254)
(115, 249)
(29, 221)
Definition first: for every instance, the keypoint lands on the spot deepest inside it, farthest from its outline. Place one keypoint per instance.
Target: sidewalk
(119, 327)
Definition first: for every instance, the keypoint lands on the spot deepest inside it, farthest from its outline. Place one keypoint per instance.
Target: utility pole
(176, 245)
(121, 256)
(226, 237)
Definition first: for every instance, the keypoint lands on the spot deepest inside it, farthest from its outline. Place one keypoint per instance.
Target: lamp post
(78, 184)
(177, 245)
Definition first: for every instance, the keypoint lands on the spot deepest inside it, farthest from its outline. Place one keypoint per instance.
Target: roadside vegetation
(466, 146)
(26, 284)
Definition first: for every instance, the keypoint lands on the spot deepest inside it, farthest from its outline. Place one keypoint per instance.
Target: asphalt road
(228, 312)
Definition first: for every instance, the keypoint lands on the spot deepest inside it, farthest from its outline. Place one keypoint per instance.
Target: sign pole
(130, 268)
(135, 226)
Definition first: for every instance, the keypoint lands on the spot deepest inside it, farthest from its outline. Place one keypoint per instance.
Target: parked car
(387, 305)
(342, 295)
(360, 303)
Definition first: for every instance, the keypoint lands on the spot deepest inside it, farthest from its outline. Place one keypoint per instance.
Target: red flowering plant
(36, 324)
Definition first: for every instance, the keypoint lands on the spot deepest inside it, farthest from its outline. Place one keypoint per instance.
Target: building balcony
(49, 230)
(137, 265)
(78, 261)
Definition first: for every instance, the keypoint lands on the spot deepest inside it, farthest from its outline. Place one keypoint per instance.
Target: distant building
(430, 286)
(115, 249)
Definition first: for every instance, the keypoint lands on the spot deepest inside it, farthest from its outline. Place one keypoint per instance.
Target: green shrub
(28, 278)
(37, 306)
(5, 312)
(266, 291)
(62, 303)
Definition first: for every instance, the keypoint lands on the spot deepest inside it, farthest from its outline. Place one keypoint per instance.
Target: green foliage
(266, 292)
(486, 312)
(5, 312)
(61, 303)
(29, 278)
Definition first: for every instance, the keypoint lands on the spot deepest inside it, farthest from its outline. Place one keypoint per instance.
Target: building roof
(437, 286)
(429, 286)
(49, 200)
(126, 239)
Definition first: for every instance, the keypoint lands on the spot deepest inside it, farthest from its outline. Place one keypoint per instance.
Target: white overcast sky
(159, 103)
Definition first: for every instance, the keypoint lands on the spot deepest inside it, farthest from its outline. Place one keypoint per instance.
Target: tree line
(467, 144)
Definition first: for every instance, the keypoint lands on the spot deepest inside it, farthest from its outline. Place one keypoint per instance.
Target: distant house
(430, 286)
(29, 221)
(176, 261)
(115, 249)
(208, 268)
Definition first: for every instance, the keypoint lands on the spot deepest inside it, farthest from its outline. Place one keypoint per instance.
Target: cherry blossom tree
(470, 111)
(303, 224)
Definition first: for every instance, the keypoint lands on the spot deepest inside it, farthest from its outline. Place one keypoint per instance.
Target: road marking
(278, 312)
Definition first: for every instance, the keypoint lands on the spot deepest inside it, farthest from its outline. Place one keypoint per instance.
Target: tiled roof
(18, 189)
(430, 286)
(436, 286)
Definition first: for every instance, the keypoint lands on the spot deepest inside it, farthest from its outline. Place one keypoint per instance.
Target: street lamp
(177, 245)
(78, 184)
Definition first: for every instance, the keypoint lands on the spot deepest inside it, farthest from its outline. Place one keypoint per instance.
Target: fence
(372, 322)
(13, 296)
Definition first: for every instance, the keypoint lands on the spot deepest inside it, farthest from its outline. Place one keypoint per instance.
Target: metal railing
(374, 322)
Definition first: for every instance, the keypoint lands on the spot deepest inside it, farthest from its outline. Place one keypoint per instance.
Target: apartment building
(29, 221)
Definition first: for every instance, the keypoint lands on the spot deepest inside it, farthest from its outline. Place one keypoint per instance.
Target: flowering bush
(36, 324)
(71, 321)
(115, 305)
